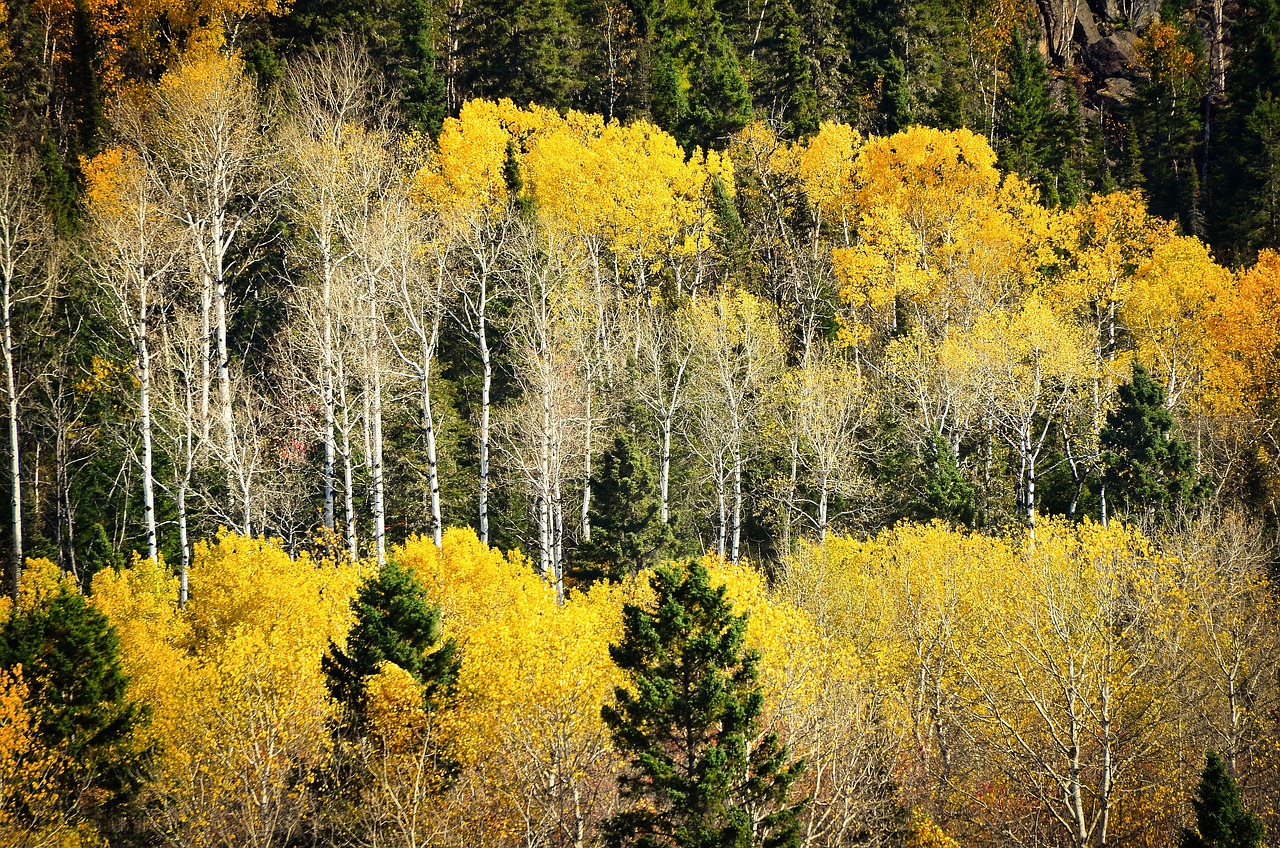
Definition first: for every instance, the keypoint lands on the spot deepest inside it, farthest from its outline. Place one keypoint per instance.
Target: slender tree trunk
(206, 359)
(183, 592)
(486, 385)
(664, 472)
(15, 446)
(822, 511)
(326, 390)
(348, 485)
(1030, 462)
(737, 491)
(379, 505)
(723, 507)
(144, 400)
(429, 430)
(586, 472)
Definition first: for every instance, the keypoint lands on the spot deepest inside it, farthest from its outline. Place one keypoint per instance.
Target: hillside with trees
(644, 424)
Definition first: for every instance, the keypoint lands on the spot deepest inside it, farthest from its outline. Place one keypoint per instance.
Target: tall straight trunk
(379, 505)
(15, 446)
(722, 504)
(429, 430)
(822, 511)
(224, 373)
(1029, 461)
(558, 544)
(586, 472)
(548, 558)
(206, 357)
(664, 471)
(144, 402)
(326, 391)
(737, 492)
(348, 493)
(486, 385)
(183, 540)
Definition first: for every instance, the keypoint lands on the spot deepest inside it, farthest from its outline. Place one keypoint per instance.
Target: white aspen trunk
(183, 589)
(545, 485)
(429, 429)
(1030, 462)
(379, 506)
(326, 390)
(348, 476)
(486, 384)
(15, 446)
(737, 491)
(664, 472)
(586, 472)
(144, 403)
(206, 358)
(224, 358)
(558, 544)
(723, 506)
(822, 511)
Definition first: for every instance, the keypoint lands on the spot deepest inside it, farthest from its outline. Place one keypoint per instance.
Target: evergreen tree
(70, 656)
(698, 92)
(1026, 120)
(1147, 467)
(394, 622)
(422, 87)
(1221, 818)
(1245, 159)
(684, 722)
(946, 495)
(1166, 115)
(627, 533)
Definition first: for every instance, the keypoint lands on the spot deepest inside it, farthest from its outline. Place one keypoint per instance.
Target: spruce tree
(70, 657)
(394, 622)
(698, 92)
(1147, 467)
(1025, 114)
(683, 722)
(627, 533)
(1221, 818)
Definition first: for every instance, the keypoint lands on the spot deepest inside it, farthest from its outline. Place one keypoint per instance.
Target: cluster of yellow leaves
(32, 813)
(237, 697)
(631, 187)
(534, 676)
(998, 657)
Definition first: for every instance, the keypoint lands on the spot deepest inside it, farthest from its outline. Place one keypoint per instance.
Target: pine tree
(1147, 467)
(627, 533)
(1025, 114)
(394, 622)
(1221, 818)
(70, 656)
(698, 92)
(1244, 159)
(684, 722)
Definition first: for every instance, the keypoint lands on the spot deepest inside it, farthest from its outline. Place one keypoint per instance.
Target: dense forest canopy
(671, 423)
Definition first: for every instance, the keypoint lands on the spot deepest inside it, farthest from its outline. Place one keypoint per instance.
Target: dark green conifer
(1025, 114)
(1147, 467)
(70, 657)
(394, 622)
(683, 722)
(1221, 818)
(627, 533)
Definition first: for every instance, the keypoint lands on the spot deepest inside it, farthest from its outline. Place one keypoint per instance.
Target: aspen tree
(25, 236)
(133, 254)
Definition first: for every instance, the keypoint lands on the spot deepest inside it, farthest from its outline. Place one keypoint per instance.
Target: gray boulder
(1114, 55)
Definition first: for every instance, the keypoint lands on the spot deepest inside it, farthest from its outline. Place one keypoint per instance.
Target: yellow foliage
(238, 700)
(1177, 295)
(925, 833)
